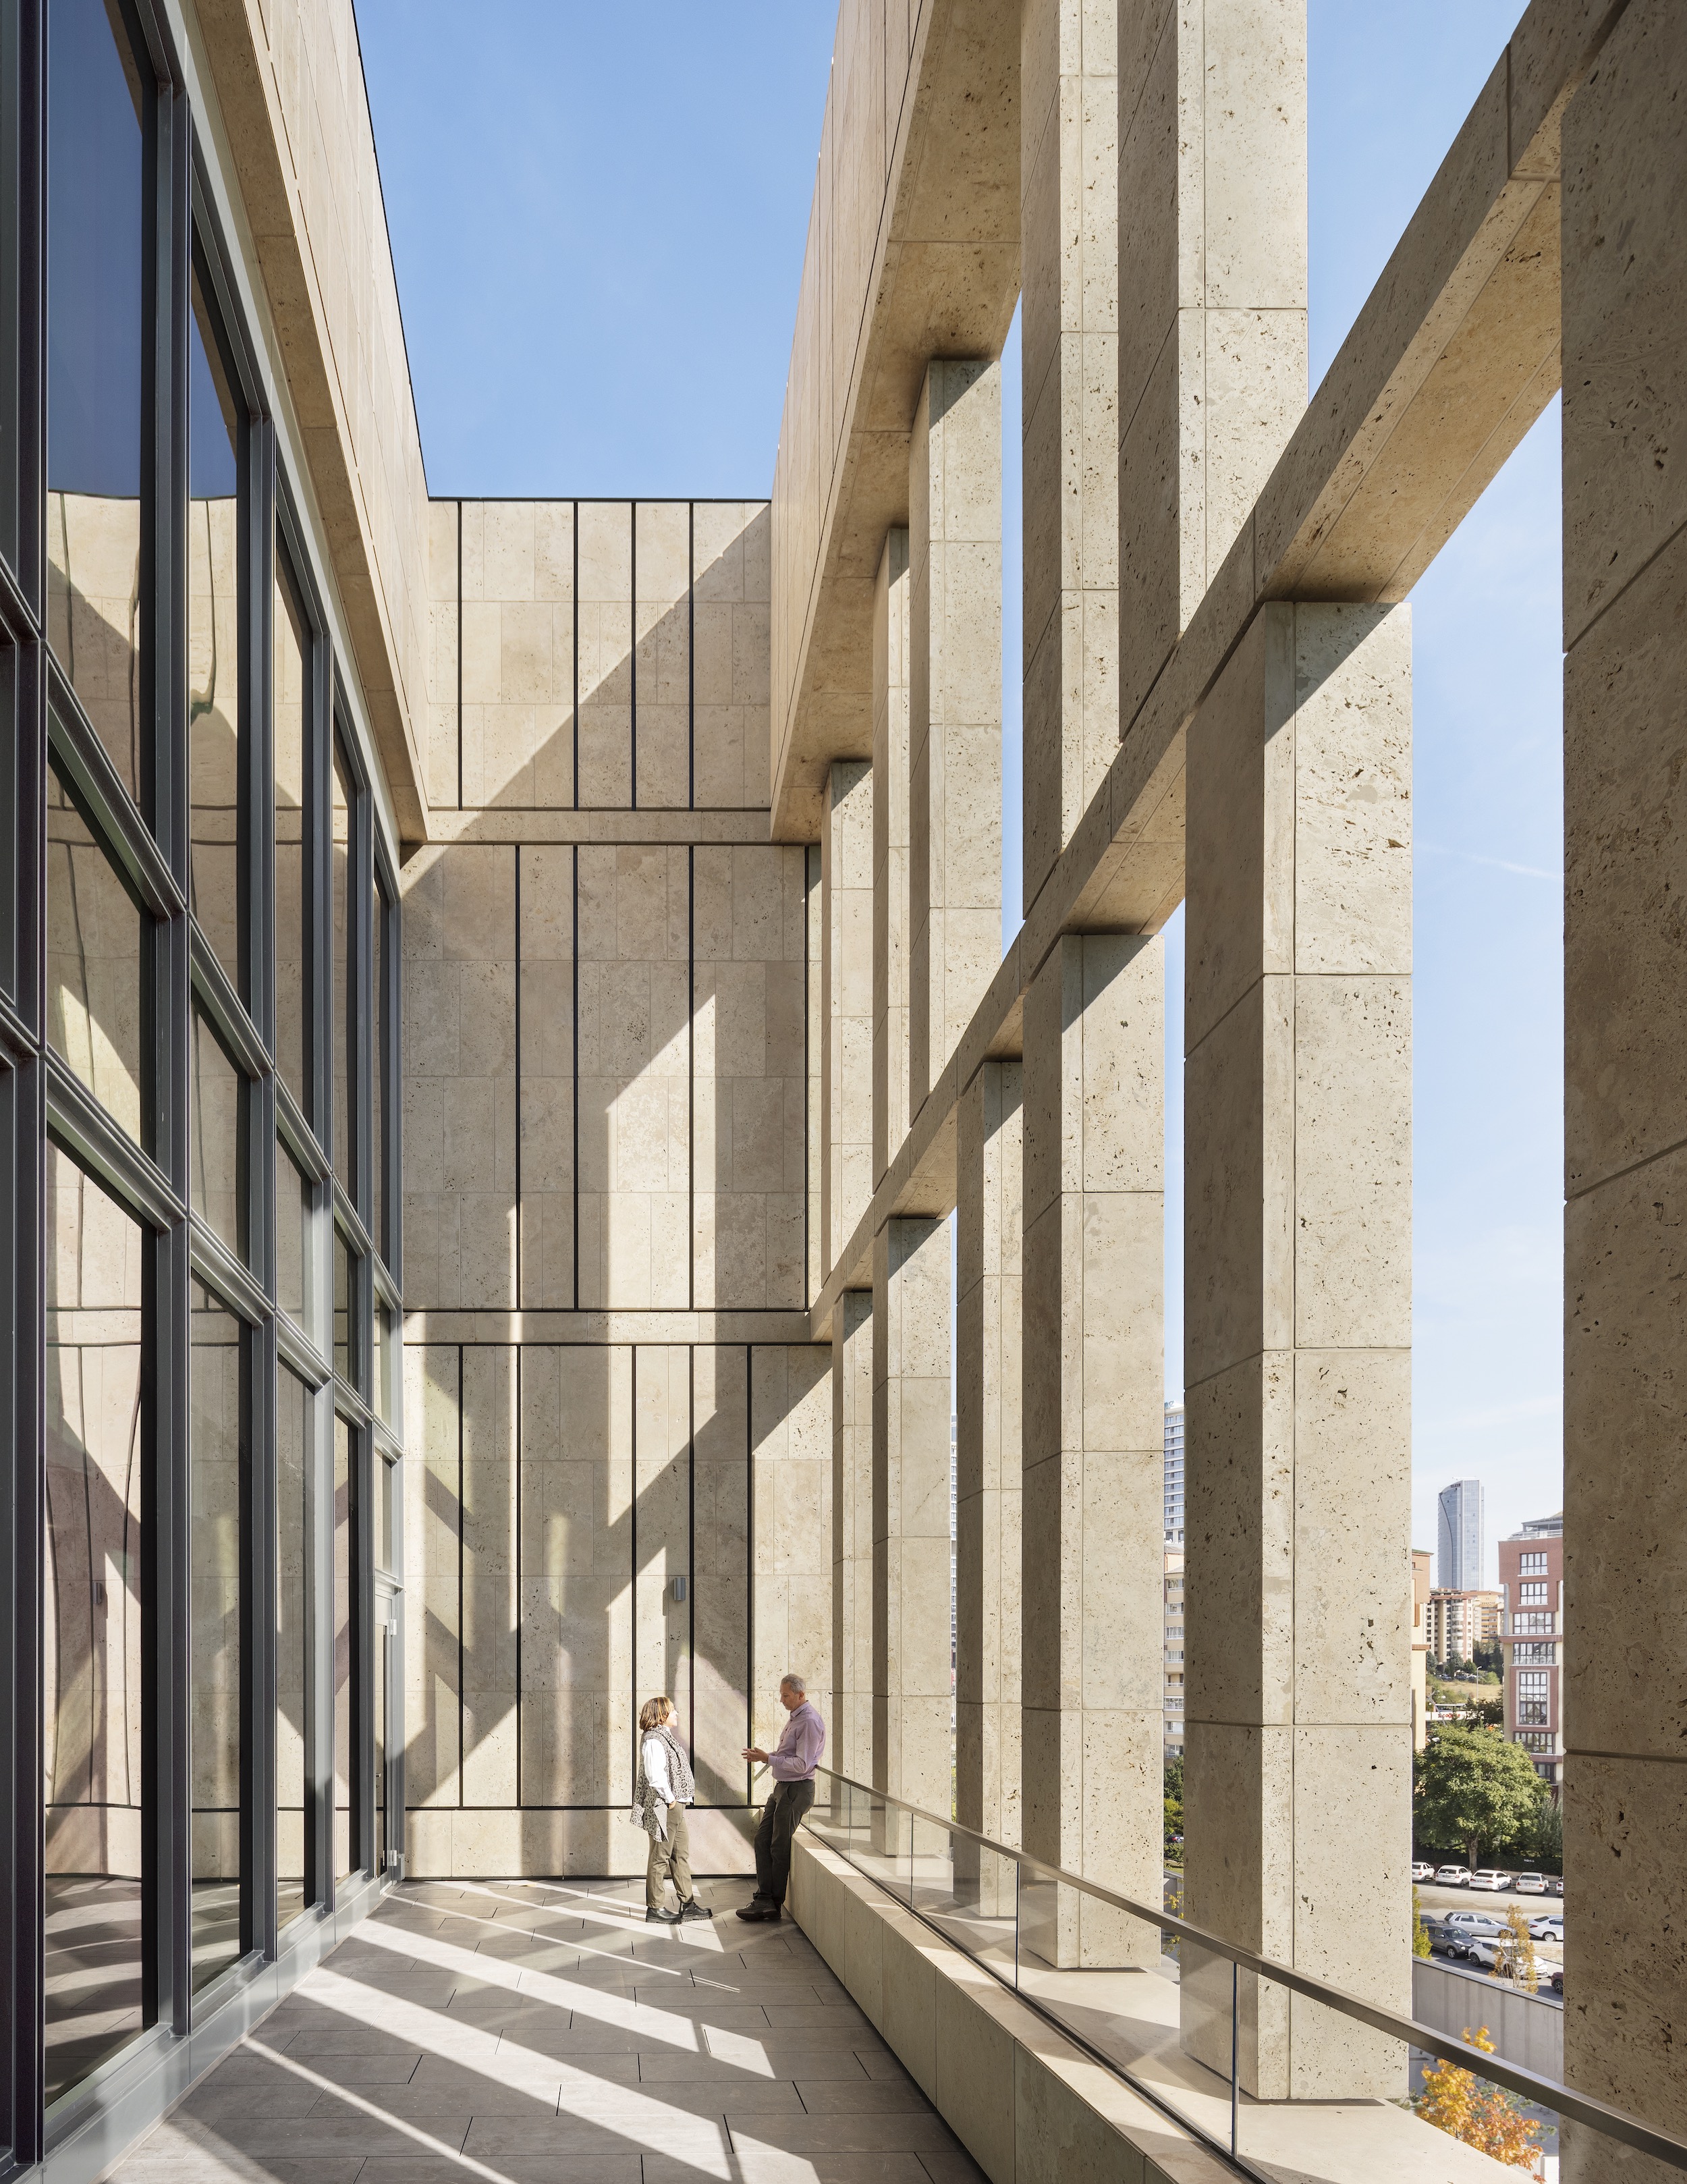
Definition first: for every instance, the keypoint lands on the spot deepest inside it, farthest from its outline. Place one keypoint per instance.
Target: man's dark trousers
(779, 1822)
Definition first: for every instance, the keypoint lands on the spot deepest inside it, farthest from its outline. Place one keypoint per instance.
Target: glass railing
(1279, 2072)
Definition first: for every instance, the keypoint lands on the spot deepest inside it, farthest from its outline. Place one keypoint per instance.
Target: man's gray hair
(795, 1683)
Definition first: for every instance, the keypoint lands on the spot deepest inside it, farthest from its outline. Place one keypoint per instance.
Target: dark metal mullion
(389, 1061)
(214, 1264)
(296, 1134)
(29, 265)
(105, 803)
(214, 991)
(301, 1356)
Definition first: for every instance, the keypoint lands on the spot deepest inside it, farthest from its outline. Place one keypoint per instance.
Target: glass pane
(378, 1070)
(94, 933)
(383, 1637)
(293, 1625)
(96, 194)
(386, 1361)
(93, 1687)
(292, 1240)
(385, 1544)
(291, 984)
(342, 1313)
(214, 1458)
(342, 881)
(216, 1092)
(213, 638)
(345, 1649)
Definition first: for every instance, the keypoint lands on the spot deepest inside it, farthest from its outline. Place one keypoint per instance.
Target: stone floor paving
(543, 2033)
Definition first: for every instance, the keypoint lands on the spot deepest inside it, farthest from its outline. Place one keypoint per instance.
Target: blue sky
(598, 217)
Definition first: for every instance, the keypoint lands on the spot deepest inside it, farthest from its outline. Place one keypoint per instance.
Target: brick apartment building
(1532, 1636)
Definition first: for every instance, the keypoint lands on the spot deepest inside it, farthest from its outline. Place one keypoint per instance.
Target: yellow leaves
(1478, 2113)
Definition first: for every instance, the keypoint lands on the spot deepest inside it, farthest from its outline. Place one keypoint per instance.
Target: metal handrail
(1547, 2093)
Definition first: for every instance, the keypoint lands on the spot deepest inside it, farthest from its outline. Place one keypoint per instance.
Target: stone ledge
(1028, 2106)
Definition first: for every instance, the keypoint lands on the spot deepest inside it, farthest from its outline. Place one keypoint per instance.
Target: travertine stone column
(890, 852)
(1625, 1086)
(954, 709)
(850, 1729)
(1069, 331)
(846, 1020)
(1297, 1347)
(1093, 1387)
(1212, 295)
(910, 1613)
(989, 1154)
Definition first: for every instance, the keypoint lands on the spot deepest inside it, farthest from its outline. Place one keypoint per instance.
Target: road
(1431, 1898)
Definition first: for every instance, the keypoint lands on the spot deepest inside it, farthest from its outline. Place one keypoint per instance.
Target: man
(791, 1763)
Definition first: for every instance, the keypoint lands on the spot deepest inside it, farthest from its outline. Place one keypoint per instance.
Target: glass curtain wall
(198, 913)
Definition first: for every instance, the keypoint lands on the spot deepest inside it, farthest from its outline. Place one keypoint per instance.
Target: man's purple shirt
(797, 1753)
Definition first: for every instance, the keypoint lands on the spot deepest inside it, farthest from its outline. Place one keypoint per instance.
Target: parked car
(1557, 1982)
(1420, 1871)
(1490, 1953)
(1554, 1884)
(1445, 1940)
(1471, 1923)
(1548, 1927)
(1490, 1878)
(1452, 1876)
(1530, 1884)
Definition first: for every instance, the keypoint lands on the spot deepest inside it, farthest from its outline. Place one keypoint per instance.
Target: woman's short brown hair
(654, 1711)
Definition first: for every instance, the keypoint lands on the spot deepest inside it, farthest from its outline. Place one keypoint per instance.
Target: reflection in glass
(94, 1682)
(377, 1150)
(94, 932)
(342, 1311)
(385, 1361)
(213, 638)
(386, 1545)
(382, 1642)
(96, 195)
(345, 1648)
(293, 1625)
(215, 1098)
(289, 702)
(340, 882)
(214, 1457)
(292, 1240)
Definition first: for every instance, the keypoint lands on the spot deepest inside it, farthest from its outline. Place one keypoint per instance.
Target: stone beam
(1463, 255)
(913, 253)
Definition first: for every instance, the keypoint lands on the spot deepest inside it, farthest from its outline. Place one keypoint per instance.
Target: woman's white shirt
(657, 1771)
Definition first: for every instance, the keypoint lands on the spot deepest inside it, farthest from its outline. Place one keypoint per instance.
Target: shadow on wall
(605, 1087)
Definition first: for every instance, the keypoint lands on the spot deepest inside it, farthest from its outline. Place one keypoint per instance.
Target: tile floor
(542, 2033)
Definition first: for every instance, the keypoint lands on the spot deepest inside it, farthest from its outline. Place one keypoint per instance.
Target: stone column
(1297, 1326)
(1625, 1089)
(1069, 325)
(954, 709)
(850, 1729)
(987, 1452)
(846, 1016)
(890, 853)
(910, 1615)
(1094, 1386)
(1212, 296)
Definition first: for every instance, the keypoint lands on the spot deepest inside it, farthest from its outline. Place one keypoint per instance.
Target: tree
(1478, 2113)
(1473, 1788)
(1525, 1967)
(1420, 1932)
(1489, 1658)
(1174, 1807)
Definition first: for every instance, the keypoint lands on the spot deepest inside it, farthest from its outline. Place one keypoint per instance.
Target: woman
(664, 1790)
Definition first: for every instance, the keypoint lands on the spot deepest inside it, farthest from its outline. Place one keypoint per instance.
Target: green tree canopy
(1474, 1789)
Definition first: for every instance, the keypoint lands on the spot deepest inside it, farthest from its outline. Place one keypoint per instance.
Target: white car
(1469, 1923)
(1452, 1876)
(1420, 1871)
(1490, 1878)
(1530, 1884)
(1550, 1927)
